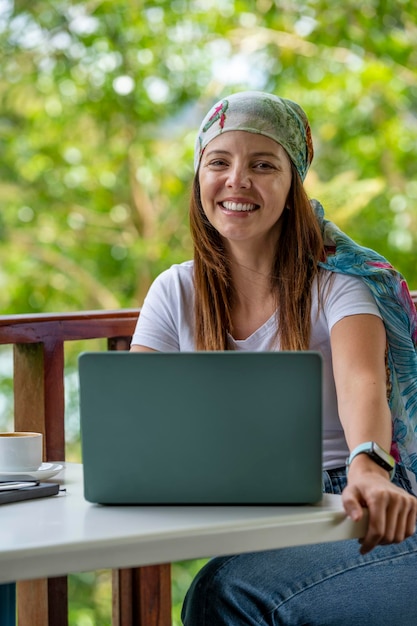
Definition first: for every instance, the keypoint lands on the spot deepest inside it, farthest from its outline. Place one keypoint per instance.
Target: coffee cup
(20, 452)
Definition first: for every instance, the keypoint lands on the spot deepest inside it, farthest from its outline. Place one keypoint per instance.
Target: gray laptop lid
(201, 428)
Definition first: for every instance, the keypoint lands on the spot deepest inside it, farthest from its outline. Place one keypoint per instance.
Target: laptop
(201, 428)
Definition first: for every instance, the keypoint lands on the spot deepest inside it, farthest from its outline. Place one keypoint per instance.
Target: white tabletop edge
(196, 532)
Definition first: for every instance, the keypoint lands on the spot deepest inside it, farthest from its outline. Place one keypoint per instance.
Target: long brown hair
(295, 266)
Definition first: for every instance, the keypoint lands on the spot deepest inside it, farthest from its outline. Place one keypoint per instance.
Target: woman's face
(244, 183)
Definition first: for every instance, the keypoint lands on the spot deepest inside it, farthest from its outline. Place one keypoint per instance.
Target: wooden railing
(141, 596)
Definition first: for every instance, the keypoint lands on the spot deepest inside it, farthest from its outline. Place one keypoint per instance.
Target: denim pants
(329, 584)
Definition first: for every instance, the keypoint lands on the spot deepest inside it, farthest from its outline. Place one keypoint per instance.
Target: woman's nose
(238, 177)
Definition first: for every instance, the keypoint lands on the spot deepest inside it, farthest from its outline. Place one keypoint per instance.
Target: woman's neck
(254, 301)
(251, 269)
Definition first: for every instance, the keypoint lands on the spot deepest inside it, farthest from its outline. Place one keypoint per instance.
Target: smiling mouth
(239, 207)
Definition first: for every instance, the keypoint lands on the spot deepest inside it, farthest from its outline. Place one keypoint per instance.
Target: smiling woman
(244, 183)
(265, 148)
(269, 273)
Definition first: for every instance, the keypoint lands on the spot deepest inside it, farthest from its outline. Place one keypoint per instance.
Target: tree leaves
(100, 102)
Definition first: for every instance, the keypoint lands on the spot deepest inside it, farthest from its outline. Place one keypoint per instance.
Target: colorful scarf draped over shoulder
(399, 314)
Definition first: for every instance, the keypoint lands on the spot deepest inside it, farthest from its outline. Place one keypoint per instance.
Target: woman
(266, 276)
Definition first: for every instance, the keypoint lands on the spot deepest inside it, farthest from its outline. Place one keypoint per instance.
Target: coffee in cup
(20, 452)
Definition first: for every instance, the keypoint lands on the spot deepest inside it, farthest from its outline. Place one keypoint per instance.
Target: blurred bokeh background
(99, 105)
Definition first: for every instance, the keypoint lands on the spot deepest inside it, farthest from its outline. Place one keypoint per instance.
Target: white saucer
(46, 470)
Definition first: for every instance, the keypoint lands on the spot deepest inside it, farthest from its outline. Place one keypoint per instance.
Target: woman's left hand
(391, 510)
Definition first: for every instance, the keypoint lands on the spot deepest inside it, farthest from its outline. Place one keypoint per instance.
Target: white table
(63, 534)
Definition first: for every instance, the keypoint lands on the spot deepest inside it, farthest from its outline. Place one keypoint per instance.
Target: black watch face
(375, 457)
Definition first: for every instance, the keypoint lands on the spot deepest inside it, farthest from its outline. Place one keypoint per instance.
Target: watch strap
(376, 453)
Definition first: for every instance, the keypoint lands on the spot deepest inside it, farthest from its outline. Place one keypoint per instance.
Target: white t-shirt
(166, 324)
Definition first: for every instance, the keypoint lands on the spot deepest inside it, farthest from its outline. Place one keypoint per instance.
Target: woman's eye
(217, 162)
(263, 166)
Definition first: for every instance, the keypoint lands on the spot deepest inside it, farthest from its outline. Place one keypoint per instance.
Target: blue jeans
(329, 584)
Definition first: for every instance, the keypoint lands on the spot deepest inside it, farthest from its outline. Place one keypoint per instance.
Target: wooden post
(39, 406)
(39, 402)
(29, 389)
(142, 596)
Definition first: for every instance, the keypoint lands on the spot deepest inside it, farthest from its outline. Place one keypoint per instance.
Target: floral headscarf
(261, 113)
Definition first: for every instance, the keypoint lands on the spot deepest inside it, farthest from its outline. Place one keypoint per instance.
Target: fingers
(411, 520)
(391, 514)
(377, 524)
(353, 503)
(390, 521)
(401, 519)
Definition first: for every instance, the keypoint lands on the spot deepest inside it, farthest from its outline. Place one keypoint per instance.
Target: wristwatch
(376, 453)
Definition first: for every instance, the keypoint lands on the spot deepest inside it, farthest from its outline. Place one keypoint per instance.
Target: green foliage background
(99, 104)
(100, 101)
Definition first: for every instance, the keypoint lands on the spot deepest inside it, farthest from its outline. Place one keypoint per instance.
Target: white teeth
(238, 206)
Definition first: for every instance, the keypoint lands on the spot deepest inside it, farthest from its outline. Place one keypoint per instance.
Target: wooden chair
(141, 596)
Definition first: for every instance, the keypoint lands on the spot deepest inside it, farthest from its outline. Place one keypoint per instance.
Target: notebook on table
(201, 428)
